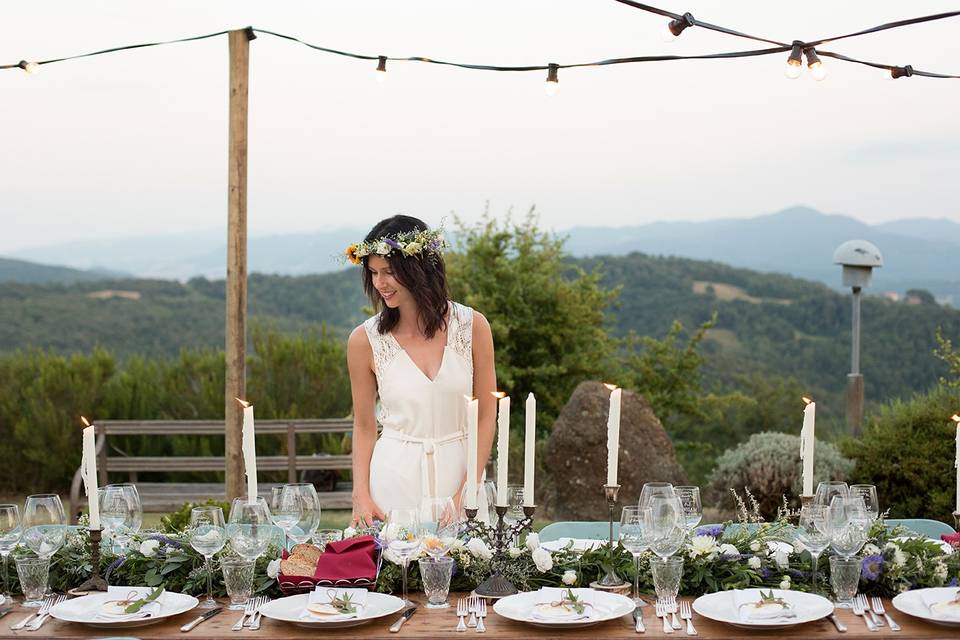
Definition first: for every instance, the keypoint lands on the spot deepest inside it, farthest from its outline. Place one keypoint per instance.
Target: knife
(201, 618)
(4, 612)
(638, 619)
(836, 622)
(406, 615)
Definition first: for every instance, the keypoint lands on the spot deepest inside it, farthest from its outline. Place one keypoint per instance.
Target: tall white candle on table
(88, 466)
(249, 448)
(470, 500)
(613, 433)
(529, 444)
(807, 440)
(503, 446)
(956, 419)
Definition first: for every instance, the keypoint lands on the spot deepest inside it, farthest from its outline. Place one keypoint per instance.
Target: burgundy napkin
(351, 559)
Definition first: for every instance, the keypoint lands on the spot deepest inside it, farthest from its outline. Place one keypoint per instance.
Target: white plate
(912, 604)
(607, 606)
(722, 607)
(85, 609)
(289, 609)
(577, 544)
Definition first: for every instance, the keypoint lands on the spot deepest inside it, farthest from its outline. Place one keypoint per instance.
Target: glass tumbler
(666, 578)
(34, 576)
(844, 578)
(435, 573)
(238, 580)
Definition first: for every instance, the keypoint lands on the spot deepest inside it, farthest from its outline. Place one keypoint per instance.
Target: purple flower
(953, 582)
(872, 567)
(765, 573)
(170, 542)
(715, 530)
(115, 565)
(455, 569)
(393, 243)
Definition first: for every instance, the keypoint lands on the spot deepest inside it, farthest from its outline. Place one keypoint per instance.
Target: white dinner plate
(575, 544)
(85, 610)
(913, 604)
(607, 606)
(289, 609)
(722, 607)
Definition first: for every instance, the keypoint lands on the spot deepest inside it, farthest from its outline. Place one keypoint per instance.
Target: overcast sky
(134, 143)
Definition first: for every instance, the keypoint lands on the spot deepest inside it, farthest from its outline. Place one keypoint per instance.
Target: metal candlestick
(499, 537)
(956, 520)
(96, 581)
(610, 492)
(807, 501)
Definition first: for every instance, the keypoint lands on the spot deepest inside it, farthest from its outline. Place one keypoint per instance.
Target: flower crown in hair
(408, 243)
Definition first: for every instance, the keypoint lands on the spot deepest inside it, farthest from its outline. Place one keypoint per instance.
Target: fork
(36, 624)
(481, 614)
(472, 608)
(672, 609)
(687, 614)
(662, 613)
(247, 611)
(866, 607)
(879, 609)
(47, 602)
(462, 610)
(857, 607)
(257, 615)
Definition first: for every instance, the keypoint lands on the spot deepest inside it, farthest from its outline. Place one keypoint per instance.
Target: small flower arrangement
(411, 243)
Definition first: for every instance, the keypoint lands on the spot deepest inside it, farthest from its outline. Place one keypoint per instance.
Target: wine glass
(121, 513)
(249, 527)
(515, 508)
(440, 525)
(847, 524)
(10, 531)
(285, 509)
(306, 495)
(811, 533)
(666, 518)
(652, 489)
(827, 490)
(403, 535)
(869, 494)
(44, 524)
(635, 535)
(692, 507)
(207, 538)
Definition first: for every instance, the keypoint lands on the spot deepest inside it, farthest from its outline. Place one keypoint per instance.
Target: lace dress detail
(384, 347)
(460, 333)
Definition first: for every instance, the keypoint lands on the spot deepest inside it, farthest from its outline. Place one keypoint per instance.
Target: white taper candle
(613, 433)
(249, 448)
(88, 465)
(503, 447)
(807, 445)
(529, 446)
(470, 500)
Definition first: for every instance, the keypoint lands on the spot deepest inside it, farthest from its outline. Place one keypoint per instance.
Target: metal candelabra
(499, 536)
(96, 582)
(611, 580)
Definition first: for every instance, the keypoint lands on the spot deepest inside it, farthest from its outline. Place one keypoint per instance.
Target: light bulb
(793, 70)
(551, 88)
(553, 81)
(818, 71)
(887, 74)
(667, 35)
(381, 71)
(676, 26)
(381, 77)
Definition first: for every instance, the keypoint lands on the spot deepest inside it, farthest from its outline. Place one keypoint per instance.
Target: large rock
(576, 454)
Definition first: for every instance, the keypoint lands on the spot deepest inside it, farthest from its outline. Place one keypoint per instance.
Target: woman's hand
(365, 511)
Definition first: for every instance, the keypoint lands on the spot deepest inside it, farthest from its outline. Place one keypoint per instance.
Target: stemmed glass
(305, 494)
(207, 538)
(692, 507)
(515, 511)
(666, 518)
(635, 535)
(811, 533)
(285, 509)
(869, 494)
(847, 524)
(121, 512)
(44, 524)
(828, 489)
(440, 524)
(248, 527)
(651, 490)
(403, 535)
(10, 531)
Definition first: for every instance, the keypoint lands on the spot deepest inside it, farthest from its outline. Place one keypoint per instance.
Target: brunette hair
(423, 275)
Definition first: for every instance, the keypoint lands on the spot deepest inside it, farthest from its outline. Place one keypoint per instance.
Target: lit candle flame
(498, 394)
(86, 423)
(243, 403)
(469, 398)
(611, 387)
(806, 400)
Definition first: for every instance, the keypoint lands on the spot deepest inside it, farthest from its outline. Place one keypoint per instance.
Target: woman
(423, 356)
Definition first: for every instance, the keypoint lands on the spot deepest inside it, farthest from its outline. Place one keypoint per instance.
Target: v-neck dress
(422, 450)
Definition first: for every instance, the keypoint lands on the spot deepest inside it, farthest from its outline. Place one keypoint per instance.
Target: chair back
(923, 527)
(581, 529)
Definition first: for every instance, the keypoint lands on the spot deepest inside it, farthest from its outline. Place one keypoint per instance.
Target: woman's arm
(363, 387)
(484, 384)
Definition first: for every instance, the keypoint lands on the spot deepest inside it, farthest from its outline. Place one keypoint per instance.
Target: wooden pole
(236, 286)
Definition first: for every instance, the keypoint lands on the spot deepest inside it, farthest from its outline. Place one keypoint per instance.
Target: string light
(382, 69)
(898, 72)
(30, 67)
(813, 63)
(676, 26)
(553, 82)
(795, 61)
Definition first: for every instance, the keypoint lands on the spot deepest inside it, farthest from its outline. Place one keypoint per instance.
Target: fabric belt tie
(428, 468)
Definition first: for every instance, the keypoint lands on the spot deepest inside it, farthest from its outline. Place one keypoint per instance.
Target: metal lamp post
(858, 258)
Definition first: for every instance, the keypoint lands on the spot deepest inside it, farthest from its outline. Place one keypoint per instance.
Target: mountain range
(919, 253)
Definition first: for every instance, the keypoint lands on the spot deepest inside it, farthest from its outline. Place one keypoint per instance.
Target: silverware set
(671, 624)
(251, 614)
(476, 608)
(868, 610)
(35, 620)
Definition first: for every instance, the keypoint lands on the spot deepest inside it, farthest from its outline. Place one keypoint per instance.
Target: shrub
(768, 464)
(907, 450)
(179, 520)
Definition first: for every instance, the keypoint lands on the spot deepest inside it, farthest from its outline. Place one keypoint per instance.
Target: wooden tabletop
(440, 623)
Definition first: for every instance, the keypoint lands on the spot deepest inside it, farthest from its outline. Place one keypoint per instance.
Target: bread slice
(297, 567)
(310, 553)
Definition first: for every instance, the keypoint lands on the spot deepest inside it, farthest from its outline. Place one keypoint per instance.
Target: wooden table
(440, 623)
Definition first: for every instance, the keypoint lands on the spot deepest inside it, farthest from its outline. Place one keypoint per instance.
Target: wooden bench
(164, 496)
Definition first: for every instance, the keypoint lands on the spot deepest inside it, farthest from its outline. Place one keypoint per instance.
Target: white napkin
(743, 599)
(123, 593)
(325, 595)
(934, 601)
(546, 595)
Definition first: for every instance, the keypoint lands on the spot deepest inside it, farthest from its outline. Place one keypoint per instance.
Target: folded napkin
(325, 595)
(542, 609)
(103, 610)
(350, 560)
(743, 601)
(941, 603)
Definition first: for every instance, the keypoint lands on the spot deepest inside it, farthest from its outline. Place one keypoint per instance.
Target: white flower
(382, 248)
(149, 548)
(755, 546)
(273, 568)
(729, 550)
(899, 558)
(702, 546)
(785, 584)
(533, 541)
(479, 548)
(754, 562)
(412, 247)
(349, 532)
(782, 558)
(871, 550)
(569, 577)
(543, 559)
(940, 571)
(515, 552)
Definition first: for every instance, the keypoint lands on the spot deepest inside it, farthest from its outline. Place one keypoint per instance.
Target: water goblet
(828, 489)
(10, 532)
(207, 538)
(306, 494)
(811, 533)
(440, 523)
(249, 527)
(655, 489)
(692, 507)
(285, 510)
(847, 524)
(403, 535)
(869, 494)
(666, 517)
(121, 512)
(44, 524)
(635, 536)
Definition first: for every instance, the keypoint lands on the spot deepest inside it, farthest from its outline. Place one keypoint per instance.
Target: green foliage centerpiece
(501, 537)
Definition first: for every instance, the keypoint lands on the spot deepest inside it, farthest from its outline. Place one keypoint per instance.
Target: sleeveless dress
(422, 450)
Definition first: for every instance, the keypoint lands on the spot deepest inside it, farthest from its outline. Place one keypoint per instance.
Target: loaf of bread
(302, 561)
(309, 552)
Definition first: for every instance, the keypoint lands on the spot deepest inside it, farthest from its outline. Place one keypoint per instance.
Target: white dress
(422, 450)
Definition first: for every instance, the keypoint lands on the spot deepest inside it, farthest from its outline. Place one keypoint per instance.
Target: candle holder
(807, 501)
(95, 582)
(499, 536)
(611, 581)
(956, 520)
